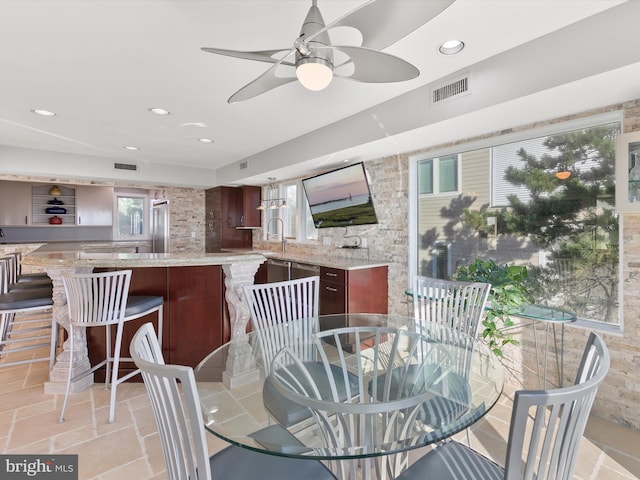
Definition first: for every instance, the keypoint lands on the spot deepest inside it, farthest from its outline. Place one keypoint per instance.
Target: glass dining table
(376, 351)
(549, 317)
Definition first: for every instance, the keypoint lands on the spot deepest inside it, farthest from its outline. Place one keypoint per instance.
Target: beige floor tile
(137, 469)
(153, 450)
(106, 452)
(623, 463)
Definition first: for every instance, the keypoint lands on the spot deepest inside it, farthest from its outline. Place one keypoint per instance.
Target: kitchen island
(194, 286)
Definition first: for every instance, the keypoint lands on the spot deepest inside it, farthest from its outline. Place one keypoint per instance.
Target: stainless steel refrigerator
(160, 226)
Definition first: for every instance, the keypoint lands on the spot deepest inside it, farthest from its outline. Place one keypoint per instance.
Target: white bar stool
(28, 332)
(102, 299)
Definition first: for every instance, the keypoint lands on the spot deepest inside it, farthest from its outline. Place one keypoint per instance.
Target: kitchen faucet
(283, 240)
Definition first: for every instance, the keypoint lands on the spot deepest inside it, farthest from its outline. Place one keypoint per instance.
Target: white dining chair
(174, 399)
(102, 300)
(544, 434)
(284, 314)
(459, 305)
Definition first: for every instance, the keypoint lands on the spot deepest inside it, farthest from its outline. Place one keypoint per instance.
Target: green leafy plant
(507, 295)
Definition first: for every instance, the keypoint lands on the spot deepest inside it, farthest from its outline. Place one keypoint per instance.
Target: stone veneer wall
(186, 219)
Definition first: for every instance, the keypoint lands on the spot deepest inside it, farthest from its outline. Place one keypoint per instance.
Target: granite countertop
(73, 255)
(342, 261)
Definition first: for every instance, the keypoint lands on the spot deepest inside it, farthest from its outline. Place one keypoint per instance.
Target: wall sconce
(55, 191)
(271, 202)
(563, 174)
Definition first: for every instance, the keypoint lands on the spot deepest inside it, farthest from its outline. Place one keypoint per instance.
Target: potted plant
(507, 295)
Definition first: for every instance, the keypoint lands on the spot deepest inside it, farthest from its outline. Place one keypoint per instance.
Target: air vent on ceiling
(451, 90)
(125, 166)
(243, 165)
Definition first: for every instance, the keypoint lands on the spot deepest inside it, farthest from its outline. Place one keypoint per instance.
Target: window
(296, 220)
(444, 169)
(132, 217)
(547, 202)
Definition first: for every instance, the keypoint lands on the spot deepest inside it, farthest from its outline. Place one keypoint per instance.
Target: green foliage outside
(130, 215)
(507, 295)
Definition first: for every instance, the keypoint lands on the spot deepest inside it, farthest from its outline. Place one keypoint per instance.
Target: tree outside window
(556, 215)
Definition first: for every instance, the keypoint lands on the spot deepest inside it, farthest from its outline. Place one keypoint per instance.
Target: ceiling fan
(316, 60)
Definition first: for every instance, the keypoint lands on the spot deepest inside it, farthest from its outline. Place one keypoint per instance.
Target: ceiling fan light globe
(314, 73)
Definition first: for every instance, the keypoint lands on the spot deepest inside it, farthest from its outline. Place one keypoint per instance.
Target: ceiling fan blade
(384, 22)
(374, 66)
(258, 56)
(265, 82)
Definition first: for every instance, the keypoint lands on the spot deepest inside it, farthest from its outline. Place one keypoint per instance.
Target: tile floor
(129, 448)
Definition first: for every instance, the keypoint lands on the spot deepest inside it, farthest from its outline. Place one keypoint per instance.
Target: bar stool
(102, 300)
(19, 277)
(26, 333)
(18, 282)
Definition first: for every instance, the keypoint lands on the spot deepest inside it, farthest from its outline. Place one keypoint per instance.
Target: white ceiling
(100, 65)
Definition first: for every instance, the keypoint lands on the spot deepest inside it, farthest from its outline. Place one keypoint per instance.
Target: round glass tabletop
(390, 385)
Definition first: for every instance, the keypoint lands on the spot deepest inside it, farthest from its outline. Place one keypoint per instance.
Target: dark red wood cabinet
(363, 290)
(251, 197)
(230, 215)
(195, 321)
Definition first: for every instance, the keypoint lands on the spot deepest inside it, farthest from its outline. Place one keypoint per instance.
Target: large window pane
(131, 217)
(519, 211)
(288, 214)
(281, 211)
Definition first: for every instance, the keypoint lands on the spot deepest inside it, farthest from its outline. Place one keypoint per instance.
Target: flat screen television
(340, 198)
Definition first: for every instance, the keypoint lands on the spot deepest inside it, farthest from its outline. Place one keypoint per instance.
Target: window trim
(300, 216)
(436, 175)
(146, 215)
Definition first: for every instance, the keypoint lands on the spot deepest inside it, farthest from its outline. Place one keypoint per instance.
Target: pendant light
(271, 202)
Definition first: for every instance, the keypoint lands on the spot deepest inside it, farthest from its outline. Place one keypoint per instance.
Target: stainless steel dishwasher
(278, 270)
(281, 270)
(303, 270)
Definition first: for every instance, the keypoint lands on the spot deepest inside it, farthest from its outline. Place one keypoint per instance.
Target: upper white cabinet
(628, 172)
(94, 205)
(15, 203)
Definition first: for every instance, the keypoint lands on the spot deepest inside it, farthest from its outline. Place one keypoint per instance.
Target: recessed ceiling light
(159, 111)
(205, 140)
(131, 147)
(451, 47)
(44, 113)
